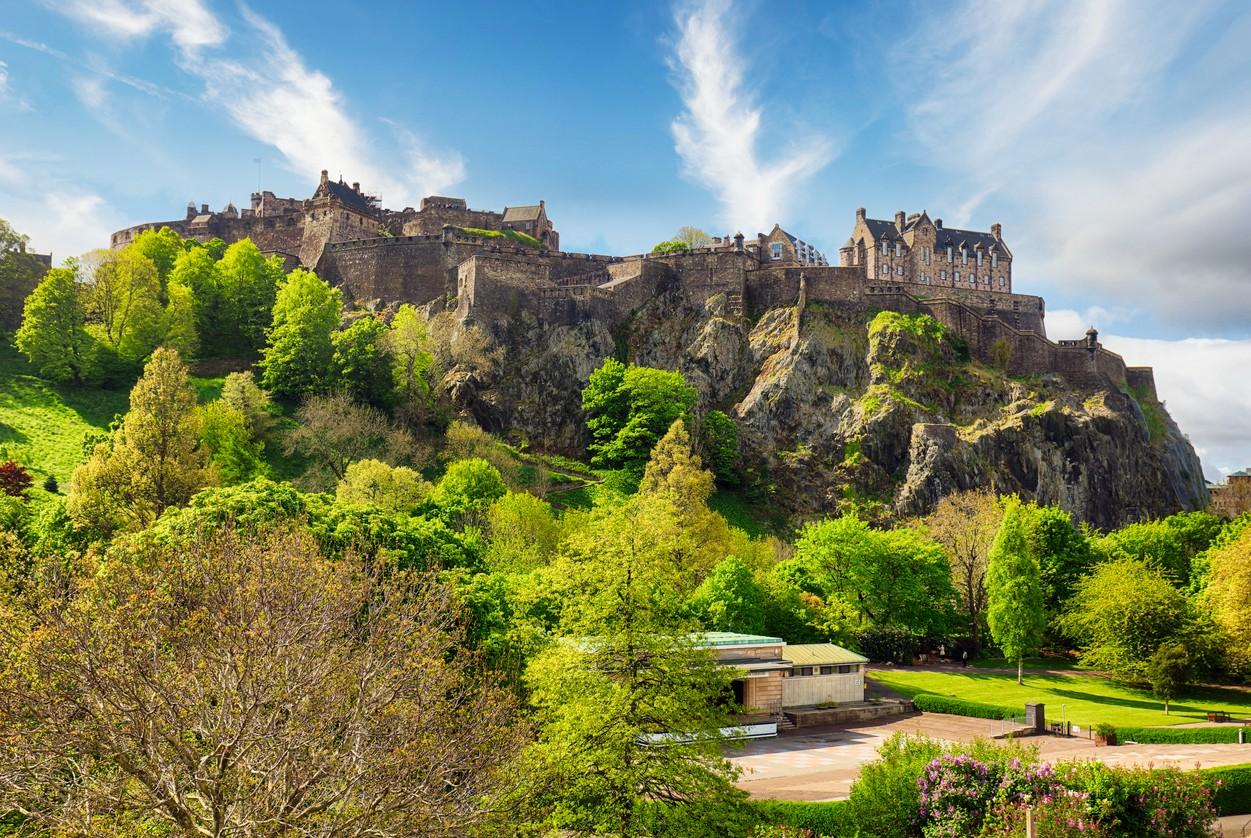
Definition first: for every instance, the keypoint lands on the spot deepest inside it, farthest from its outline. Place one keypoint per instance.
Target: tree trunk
(1166, 706)
(1020, 667)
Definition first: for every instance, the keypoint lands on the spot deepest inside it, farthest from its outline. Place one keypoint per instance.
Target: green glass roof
(732, 638)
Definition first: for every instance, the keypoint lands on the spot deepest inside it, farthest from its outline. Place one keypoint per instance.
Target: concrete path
(1235, 826)
(821, 764)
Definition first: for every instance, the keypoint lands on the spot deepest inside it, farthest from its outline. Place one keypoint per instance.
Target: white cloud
(718, 133)
(1202, 382)
(1069, 324)
(190, 25)
(59, 216)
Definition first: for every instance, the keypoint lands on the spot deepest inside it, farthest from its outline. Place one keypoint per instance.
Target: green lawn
(1087, 700)
(43, 425)
(1030, 663)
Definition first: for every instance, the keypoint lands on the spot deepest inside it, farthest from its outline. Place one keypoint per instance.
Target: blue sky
(1110, 137)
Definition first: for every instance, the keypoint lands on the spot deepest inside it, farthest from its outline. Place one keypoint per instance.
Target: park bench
(1217, 716)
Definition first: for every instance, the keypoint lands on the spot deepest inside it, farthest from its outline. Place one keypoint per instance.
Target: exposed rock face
(840, 408)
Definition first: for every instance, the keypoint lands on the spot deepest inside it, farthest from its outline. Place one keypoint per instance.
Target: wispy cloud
(189, 23)
(1104, 125)
(53, 212)
(718, 133)
(37, 46)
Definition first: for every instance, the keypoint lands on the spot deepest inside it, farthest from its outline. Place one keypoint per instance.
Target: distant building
(778, 247)
(914, 249)
(1233, 497)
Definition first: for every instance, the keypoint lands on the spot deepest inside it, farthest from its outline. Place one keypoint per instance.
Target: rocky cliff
(844, 407)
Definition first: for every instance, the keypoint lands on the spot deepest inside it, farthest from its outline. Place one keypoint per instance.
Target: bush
(889, 644)
(50, 485)
(830, 818)
(1162, 803)
(930, 703)
(14, 479)
(1181, 736)
(1232, 794)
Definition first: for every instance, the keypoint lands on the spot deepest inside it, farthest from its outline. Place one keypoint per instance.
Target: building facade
(1233, 497)
(915, 249)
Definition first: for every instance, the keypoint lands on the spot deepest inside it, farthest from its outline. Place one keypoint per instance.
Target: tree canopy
(629, 408)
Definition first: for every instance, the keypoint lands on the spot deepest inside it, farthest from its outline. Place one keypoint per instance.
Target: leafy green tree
(671, 246)
(523, 533)
(888, 577)
(361, 364)
(195, 268)
(248, 285)
(1016, 608)
(20, 272)
(124, 299)
(239, 390)
(52, 336)
(1228, 595)
(162, 247)
(1169, 544)
(730, 600)
(409, 346)
(1062, 550)
(1169, 672)
(720, 443)
(225, 436)
(180, 330)
(393, 488)
(628, 410)
(467, 487)
(154, 460)
(693, 237)
(1123, 612)
(298, 359)
(628, 671)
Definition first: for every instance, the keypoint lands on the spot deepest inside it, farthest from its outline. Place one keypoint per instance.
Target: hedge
(831, 818)
(1182, 735)
(1233, 796)
(931, 703)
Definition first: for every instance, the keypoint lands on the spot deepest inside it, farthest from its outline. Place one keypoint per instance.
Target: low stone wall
(848, 713)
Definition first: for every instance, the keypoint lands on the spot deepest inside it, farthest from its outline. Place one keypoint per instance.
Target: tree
(522, 532)
(1123, 612)
(239, 390)
(124, 300)
(334, 432)
(629, 408)
(20, 272)
(1062, 551)
(409, 345)
(154, 460)
(693, 237)
(965, 524)
(1168, 671)
(360, 362)
(628, 670)
(1015, 607)
(227, 682)
(676, 470)
(719, 440)
(393, 488)
(1228, 595)
(179, 325)
(162, 247)
(298, 359)
(52, 336)
(730, 600)
(225, 436)
(14, 479)
(1168, 544)
(887, 577)
(248, 284)
(468, 486)
(196, 269)
(671, 246)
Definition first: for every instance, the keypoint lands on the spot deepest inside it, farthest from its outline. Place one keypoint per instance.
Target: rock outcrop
(842, 407)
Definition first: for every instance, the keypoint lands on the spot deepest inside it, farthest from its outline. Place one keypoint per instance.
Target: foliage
(1233, 789)
(831, 817)
(225, 436)
(153, 460)
(391, 488)
(1168, 671)
(1062, 551)
(246, 285)
(352, 680)
(361, 364)
(408, 344)
(889, 644)
(467, 487)
(513, 235)
(124, 298)
(1168, 545)
(729, 599)
(676, 470)
(1015, 610)
(52, 336)
(161, 247)
(1122, 612)
(719, 440)
(179, 329)
(523, 533)
(239, 390)
(930, 703)
(19, 274)
(334, 431)
(958, 792)
(628, 410)
(965, 523)
(1228, 582)
(196, 270)
(1222, 734)
(671, 246)
(890, 578)
(297, 360)
(1154, 803)
(14, 479)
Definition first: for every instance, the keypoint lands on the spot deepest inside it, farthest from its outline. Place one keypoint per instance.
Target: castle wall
(431, 220)
(501, 287)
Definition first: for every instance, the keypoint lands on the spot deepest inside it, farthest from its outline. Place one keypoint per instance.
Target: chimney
(738, 242)
(325, 177)
(938, 222)
(541, 204)
(860, 214)
(996, 230)
(899, 221)
(356, 187)
(204, 209)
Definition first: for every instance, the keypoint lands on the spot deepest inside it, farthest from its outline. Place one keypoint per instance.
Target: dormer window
(885, 245)
(775, 251)
(949, 256)
(979, 258)
(964, 256)
(898, 248)
(994, 259)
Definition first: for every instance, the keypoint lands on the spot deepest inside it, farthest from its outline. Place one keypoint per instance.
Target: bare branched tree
(965, 524)
(240, 686)
(335, 432)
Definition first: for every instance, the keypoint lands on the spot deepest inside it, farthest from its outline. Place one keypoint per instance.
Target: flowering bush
(1146, 802)
(956, 791)
(1064, 815)
(14, 479)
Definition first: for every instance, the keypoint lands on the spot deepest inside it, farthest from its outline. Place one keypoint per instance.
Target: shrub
(885, 799)
(1232, 789)
(50, 485)
(14, 479)
(889, 644)
(1180, 736)
(1144, 802)
(785, 816)
(931, 703)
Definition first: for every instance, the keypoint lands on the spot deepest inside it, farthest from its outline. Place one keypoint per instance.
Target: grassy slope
(43, 425)
(1087, 700)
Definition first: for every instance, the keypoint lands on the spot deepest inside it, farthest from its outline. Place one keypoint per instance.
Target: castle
(495, 267)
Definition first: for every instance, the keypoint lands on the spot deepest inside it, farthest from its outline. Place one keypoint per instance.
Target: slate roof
(351, 198)
(821, 654)
(886, 230)
(530, 213)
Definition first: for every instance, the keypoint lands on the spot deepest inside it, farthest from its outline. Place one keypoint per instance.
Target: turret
(1092, 339)
(738, 242)
(900, 217)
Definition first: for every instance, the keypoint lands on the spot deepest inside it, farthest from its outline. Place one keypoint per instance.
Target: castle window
(942, 275)
(925, 253)
(898, 248)
(899, 270)
(956, 276)
(964, 256)
(986, 280)
(776, 251)
(1003, 282)
(949, 257)
(979, 258)
(885, 244)
(994, 260)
